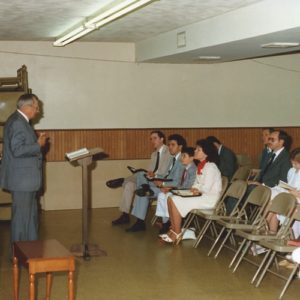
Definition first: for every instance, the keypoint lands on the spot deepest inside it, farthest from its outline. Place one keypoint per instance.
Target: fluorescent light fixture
(109, 15)
(74, 37)
(206, 57)
(111, 11)
(280, 45)
(68, 35)
(122, 12)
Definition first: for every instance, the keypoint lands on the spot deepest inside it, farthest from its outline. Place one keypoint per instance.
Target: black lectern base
(86, 251)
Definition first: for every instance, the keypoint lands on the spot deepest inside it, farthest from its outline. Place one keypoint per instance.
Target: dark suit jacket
(21, 167)
(277, 170)
(265, 156)
(227, 162)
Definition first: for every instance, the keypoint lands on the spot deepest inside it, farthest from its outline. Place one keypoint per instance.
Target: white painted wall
(64, 188)
(94, 85)
(98, 85)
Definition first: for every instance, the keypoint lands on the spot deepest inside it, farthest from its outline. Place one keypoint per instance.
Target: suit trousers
(24, 223)
(141, 204)
(130, 184)
(128, 191)
(162, 206)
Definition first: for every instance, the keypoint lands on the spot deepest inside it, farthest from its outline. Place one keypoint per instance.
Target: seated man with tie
(187, 180)
(266, 153)
(275, 169)
(150, 187)
(278, 163)
(159, 163)
(227, 159)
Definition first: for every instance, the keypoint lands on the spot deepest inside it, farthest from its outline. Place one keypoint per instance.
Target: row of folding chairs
(247, 224)
(242, 173)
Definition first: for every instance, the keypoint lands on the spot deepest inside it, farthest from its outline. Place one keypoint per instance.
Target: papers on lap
(77, 153)
(183, 193)
(286, 186)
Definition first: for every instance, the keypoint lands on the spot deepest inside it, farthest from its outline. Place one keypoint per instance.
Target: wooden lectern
(84, 158)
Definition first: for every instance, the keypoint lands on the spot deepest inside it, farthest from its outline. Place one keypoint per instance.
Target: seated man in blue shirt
(141, 201)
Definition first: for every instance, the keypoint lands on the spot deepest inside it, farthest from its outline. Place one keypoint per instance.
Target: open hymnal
(77, 153)
(286, 186)
(183, 193)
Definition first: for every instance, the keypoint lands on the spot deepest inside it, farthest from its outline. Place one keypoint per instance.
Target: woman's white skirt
(186, 204)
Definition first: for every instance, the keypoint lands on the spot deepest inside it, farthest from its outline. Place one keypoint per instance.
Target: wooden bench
(42, 257)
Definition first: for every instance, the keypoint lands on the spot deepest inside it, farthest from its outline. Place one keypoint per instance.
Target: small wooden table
(42, 257)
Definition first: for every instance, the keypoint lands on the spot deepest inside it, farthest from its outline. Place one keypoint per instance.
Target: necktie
(173, 163)
(264, 171)
(157, 162)
(183, 176)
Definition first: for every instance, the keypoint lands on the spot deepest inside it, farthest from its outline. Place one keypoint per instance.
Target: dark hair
(295, 155)
(209, 149)
(178, 138)
(270, 129)
(287, 140)
(212, 139)
(160, 134)
(26, 99)
(190, 151)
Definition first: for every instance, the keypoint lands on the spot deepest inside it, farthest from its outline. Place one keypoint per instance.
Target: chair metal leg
(214, 229)
(245, 249)
(232, 241)
(197, 225)
(202, 232)
(187, 223)
(223, 242)
(261, 266)
(216, 241)
(262, 275)
(237, 253)
(187, 220)
(288, 281)
(153, 220)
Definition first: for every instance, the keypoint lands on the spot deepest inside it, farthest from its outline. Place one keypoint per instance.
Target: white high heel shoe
(166, 238)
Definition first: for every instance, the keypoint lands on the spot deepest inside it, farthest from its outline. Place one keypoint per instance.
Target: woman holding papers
(293, 187)
(206, 190)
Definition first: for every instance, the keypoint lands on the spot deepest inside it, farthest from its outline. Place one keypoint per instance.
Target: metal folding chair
(275, 247)
(248, 216)
(282, 204)
(236, 190)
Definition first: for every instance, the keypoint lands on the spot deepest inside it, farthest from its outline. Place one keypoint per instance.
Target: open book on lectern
(83, 153)
(77, 153)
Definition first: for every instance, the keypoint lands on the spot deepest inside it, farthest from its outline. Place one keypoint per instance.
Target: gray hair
(26, 99)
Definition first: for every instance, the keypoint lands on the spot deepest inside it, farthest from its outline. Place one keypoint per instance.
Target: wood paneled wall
(134, 143)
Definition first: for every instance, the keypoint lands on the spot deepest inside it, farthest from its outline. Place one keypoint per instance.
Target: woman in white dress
(206, 189)
(293, 178)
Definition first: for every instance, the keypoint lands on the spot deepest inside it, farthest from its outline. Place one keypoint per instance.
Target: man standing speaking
(21, 167)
